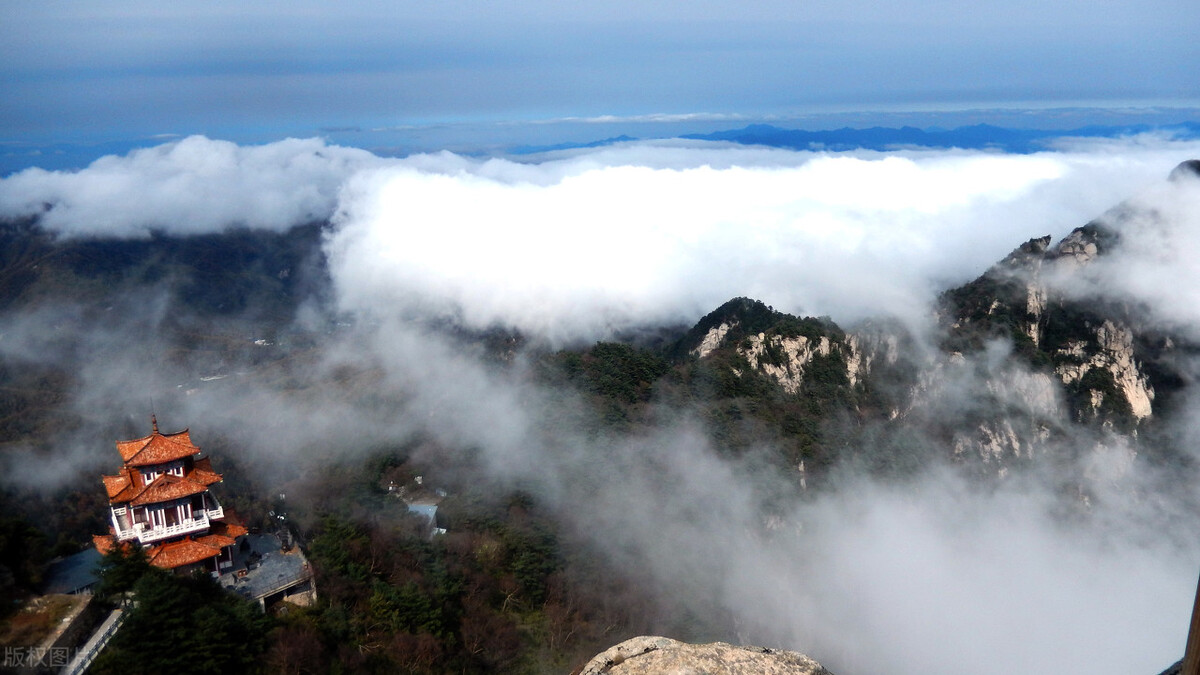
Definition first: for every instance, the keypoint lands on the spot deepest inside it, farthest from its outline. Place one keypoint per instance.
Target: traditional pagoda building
(160, 500)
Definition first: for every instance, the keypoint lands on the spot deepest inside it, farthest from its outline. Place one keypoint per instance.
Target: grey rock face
(648, 655)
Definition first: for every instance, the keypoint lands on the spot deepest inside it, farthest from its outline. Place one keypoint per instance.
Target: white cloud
(942, 578)
(579, 247)
(589, 242)
(193, 186)
(1155, 261)
(936, 575)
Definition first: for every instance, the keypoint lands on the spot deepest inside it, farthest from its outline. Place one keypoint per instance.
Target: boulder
(648, 655)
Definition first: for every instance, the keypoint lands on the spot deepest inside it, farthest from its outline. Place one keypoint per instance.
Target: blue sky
(87, 72)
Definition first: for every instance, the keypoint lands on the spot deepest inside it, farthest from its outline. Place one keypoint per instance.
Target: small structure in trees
(160, 500)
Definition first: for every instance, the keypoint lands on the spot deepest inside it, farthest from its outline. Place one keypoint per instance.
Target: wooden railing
(147, 534)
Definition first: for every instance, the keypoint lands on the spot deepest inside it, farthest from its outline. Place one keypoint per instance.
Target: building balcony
(121, 524)
(146, 533)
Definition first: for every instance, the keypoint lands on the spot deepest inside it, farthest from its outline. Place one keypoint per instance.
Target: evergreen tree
(184, 625)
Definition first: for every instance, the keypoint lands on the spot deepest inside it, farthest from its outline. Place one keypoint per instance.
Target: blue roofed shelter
(73, 574)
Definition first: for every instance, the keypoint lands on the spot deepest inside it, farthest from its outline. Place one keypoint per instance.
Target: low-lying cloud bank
(933, 575)
(193, 186)
(584, 244)
(581, 247)
(1155, 264)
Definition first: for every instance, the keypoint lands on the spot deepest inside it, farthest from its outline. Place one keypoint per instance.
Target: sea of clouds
(578, 245)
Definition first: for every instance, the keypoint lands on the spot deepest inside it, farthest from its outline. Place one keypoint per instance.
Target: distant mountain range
(974, 137)
(535, 149)
(69, 156)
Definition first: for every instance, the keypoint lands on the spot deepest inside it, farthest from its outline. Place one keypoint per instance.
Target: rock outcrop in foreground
(650, 655)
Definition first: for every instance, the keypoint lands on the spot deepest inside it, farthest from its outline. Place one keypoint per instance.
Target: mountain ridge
(974, 137)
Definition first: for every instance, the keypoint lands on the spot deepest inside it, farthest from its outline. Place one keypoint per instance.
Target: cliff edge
(650, 655)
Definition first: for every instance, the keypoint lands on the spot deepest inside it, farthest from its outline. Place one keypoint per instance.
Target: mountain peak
(1189, 169)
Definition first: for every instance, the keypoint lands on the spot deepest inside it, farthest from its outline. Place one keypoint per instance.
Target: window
(174, 468)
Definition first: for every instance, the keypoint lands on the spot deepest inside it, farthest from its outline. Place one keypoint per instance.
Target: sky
(374, 74)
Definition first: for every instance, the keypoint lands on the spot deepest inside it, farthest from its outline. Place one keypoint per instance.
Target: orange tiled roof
(217, 541)
(231, 526)
(131, 491)
(167, 487)
(161, 489)
(176, 554)
(104, 542)
(203, 464)
(115, 484)
(206, 477)
(157, 448)
(180, 553)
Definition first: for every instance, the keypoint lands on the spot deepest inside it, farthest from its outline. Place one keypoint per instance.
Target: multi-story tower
(160, 500)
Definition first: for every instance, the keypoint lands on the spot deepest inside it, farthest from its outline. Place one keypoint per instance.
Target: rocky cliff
(1098, 362)
(787, 349)
(1036, 354)
(659, 655)
(1092, 347)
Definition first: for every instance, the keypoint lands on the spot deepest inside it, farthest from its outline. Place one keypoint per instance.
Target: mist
(192, 186)
(935, 573)
(1159, 242)
(577, 246)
